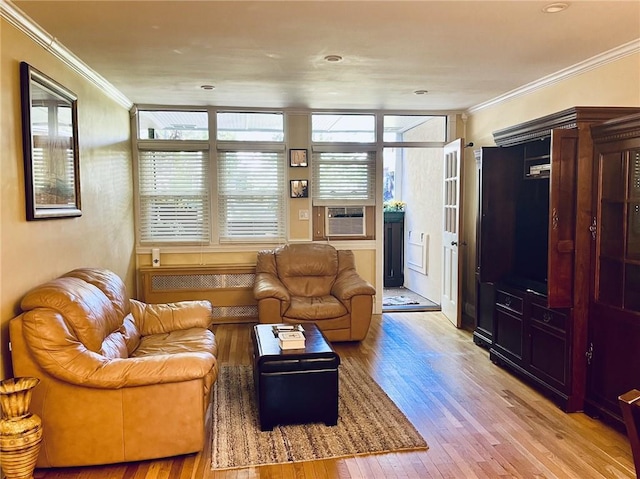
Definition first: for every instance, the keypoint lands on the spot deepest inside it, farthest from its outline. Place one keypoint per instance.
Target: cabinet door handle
(594, 228)
(546, 316)
(507, 301)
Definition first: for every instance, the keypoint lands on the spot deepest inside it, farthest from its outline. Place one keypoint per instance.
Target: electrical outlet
(303, 215)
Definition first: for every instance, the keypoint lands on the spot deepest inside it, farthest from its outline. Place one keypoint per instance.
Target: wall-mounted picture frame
(298, 157)
(299, 189)
(50, 145)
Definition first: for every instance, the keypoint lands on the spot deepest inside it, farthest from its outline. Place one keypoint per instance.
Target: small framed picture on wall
(298, 157)
(299, 189)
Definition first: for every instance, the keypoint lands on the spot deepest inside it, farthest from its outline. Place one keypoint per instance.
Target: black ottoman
(298, 385)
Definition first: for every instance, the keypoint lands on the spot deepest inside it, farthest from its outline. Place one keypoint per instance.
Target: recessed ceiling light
(421, 92)
(333, 58)
(555, 7)
(207, 87)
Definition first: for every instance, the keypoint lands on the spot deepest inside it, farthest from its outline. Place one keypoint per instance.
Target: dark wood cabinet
(394, 250)
(614, 308)
(533, 249)
(497, 174)
(533, 340)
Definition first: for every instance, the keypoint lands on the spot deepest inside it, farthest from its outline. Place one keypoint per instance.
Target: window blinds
(342, 179)
(250, 195)
(174, 196)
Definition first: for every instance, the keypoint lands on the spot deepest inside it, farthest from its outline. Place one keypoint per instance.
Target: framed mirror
(50, 144)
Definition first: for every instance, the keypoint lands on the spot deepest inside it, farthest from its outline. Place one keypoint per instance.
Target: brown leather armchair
(304, 283)
(120, 380)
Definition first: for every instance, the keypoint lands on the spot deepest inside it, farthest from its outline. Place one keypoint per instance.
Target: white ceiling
(270, 53)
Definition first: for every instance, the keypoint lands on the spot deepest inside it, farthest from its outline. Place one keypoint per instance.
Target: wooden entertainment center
(534, 242)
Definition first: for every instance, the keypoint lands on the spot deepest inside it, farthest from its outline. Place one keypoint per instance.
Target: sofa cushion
(181, 341)
(88, 311)
(318, 307)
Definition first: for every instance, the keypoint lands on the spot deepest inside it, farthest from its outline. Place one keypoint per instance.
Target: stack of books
(291, 340)
(290, 336)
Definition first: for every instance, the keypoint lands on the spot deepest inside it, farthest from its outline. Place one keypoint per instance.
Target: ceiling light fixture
(421, 92)
(555, 7)
(207, 87)
(333, 58)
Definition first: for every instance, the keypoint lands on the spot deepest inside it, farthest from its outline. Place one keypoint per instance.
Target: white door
(451, 302)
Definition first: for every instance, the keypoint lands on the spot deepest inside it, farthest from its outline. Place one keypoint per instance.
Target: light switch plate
(303, 215)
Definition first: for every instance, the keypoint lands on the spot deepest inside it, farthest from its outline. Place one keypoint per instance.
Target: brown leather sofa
(301, 283)
(120, 380)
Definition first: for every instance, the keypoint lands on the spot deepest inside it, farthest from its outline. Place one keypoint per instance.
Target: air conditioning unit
(344, 221)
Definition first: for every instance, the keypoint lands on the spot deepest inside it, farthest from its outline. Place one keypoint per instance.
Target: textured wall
(32, 252)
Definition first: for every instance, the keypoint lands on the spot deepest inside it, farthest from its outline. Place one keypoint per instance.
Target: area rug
(398, 301)
(369, 422)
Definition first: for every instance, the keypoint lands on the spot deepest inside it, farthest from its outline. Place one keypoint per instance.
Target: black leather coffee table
(297, 385)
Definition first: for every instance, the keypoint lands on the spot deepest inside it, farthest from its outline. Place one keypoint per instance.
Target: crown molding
(594, 62)
(26, 25)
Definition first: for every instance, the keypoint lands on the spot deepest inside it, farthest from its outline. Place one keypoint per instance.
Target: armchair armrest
(164, 318)
(269, 286)
(349, 284)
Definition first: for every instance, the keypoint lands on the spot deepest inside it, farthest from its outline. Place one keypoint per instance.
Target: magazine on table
(283, 328)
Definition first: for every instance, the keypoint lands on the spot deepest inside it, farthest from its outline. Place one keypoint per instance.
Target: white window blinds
(174, 196)
(250, 195)
(342, 179)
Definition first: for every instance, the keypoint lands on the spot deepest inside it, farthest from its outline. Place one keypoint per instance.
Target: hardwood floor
(479, 420)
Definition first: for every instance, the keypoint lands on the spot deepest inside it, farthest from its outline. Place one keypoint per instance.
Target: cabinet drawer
(509, 301)
(553, 319)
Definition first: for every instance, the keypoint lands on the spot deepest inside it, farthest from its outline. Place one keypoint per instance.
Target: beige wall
(36, 251)
(298, 136)
(613, 84)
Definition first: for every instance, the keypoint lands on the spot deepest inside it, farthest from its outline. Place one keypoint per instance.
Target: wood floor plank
(479, 420)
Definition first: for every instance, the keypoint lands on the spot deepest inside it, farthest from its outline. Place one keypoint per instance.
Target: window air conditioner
(344, 221)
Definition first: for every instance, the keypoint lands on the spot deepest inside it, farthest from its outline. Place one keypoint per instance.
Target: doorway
(412, 245)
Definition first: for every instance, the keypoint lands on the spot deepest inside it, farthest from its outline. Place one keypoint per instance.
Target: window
(344, 178)
(174, 196)
(173, 125)
(251, 188)
(415, 128)
(188, 196)
(343, 175)
(342, 128)
(243, 126)
(413, 146)
(250, 195)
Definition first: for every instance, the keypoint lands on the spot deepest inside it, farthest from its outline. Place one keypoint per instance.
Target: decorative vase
(20, 431)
